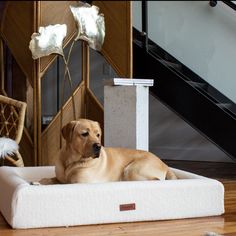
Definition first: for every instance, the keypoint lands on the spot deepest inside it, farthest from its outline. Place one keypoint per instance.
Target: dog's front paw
(48, 181)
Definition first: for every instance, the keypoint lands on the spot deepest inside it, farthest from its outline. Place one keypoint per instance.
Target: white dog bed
(32, 206)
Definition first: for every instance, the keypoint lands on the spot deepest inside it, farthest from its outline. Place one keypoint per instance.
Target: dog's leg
(170, 174)
(139, 170)
(48, 181)
(131, 174)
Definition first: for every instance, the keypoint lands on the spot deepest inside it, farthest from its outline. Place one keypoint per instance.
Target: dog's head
(84, 137)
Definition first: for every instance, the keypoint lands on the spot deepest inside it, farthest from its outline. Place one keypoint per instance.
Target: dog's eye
(85, 134)
(98, 135)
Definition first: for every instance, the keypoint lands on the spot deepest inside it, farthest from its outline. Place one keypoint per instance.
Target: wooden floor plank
(197, 226)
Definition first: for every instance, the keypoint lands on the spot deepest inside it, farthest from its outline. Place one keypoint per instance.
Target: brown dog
(84, 160)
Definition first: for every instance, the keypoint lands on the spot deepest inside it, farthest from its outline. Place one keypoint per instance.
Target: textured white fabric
(32, 206)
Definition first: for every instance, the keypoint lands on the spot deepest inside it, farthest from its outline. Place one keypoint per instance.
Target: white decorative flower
(49, 40)
(7, 147)
(90, 24)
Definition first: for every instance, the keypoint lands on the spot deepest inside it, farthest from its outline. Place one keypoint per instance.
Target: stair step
(224, 105)
(172, 64)
(198, 84)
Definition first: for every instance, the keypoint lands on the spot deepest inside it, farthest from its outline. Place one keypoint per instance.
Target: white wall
(201, 37)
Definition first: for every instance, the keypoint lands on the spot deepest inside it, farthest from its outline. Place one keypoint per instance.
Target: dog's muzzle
(96, 149)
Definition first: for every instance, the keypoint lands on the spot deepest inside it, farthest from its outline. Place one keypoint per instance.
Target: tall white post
(126, 120)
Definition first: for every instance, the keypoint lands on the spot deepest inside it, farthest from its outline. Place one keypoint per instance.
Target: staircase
(193, 99)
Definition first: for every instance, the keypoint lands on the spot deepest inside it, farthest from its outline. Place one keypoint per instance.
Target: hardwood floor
(224, 225)
(192, 227)
(216, 170)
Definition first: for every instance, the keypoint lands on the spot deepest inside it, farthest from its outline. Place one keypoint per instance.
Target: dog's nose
(96, 147)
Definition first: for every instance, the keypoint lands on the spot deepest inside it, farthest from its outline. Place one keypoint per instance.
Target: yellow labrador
(85, 160)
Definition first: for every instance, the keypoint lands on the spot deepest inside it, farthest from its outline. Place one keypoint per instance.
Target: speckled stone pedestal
(126, 121)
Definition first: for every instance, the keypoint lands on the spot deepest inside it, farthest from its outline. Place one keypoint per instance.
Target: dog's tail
(170, 174)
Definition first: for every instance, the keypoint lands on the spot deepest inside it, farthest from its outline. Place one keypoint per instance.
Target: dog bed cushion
(24, 205)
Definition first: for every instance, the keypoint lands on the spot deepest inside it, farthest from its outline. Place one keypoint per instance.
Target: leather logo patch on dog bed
(127, 207)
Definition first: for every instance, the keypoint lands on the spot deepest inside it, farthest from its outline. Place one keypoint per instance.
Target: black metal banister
(228, 3)
(145, 24)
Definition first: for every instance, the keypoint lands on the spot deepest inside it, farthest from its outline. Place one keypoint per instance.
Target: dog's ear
(99, 126)
(67, 130)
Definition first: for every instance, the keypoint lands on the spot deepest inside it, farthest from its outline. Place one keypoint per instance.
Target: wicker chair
(12, 116)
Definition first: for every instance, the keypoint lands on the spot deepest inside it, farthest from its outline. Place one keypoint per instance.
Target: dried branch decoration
(90, 24)
(48, 40)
